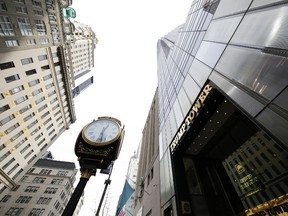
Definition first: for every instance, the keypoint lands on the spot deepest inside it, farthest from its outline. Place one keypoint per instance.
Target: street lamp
(97, 146)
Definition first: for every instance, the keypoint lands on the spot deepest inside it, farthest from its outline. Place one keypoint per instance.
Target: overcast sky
(125, 80)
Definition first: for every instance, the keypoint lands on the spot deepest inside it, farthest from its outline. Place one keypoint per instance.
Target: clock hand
(104, 129)
(100, 138)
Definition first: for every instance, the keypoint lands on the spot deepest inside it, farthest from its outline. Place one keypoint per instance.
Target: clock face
(101, 132)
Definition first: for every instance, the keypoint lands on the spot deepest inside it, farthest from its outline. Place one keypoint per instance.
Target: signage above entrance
(190, 117)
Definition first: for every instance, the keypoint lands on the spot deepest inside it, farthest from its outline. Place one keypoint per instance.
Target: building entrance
(229, 167)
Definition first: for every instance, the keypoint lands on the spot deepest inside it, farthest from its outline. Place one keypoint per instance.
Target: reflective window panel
(252, 68)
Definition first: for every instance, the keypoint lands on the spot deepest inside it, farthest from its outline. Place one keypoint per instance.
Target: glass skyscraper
(222, 83)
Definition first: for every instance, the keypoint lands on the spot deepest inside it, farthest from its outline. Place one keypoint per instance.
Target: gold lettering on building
(277, 207)
(190, 117)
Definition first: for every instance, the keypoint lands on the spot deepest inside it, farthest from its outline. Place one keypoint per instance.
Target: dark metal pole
(70, 208)
(107, 182)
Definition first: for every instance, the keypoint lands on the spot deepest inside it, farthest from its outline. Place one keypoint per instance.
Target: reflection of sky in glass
(252, 68)
(257, 86)
(263, 29)
(275, 28)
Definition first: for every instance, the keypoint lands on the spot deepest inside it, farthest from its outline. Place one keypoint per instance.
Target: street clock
(101, 132)
(99, 142)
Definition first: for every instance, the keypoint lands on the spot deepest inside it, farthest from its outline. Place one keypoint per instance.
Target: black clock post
(97, 147)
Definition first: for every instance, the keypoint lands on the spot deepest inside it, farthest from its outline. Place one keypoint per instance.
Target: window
(32, 159)
(32, 189)
(13, 127)
(8, 163)
(21, 9)
(57, 205)
(265, 157)
(51, 214)
(38, 12)
(26, 61)
(21, 142)
(35, 131)
(31, 170)
(11, 43)
(7, 119)
(40, 100)
(67, 186)
(40, 26)
(36, 212)
(3, 6)
(46, 67)
(36, 92)
(62, 173)
(38, 137)
(45, 171)
(6, 28)
(50, 126)
(62, 195)
(16, 89)
(28, 117)
(57, 64)
(59, 118)
(12, 78)
(38, 180)
(49, 76)
(44, 200)
(7, 65)
(23, 199)
(24, 109)
(30, 72)
(5, 198)
(14, 211)
(51, 93)
(4, 156)
(51, 132)
(41, 142)
(16, 175)
(12, 169)
(30, 42)
(47, 121)
(42, 57)
(36, 3)
(57, 181)
(16, 136)
(149, 213)
(32, 124)
(25, 26)
(4, 108)
(57, 113)
(33, 82)
(44, 40)
(51, 190)
(49, 86)
(25, 148)
(20, 100)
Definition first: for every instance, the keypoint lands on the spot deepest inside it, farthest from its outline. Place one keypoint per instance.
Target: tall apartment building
(147, 192)
(78, 55)
(223, 89)
(40, 59)
(44, 190)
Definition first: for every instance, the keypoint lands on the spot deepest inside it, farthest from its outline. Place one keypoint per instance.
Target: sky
(125, 81)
